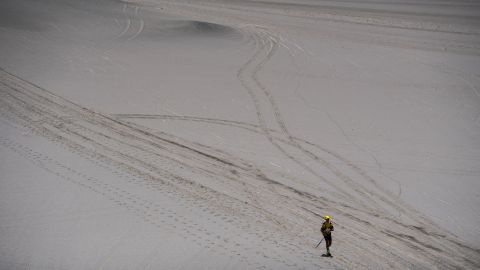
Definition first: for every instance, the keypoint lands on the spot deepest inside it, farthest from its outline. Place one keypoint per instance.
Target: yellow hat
(326, 217)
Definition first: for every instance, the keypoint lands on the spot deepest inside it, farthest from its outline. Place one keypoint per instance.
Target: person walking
(327, 229)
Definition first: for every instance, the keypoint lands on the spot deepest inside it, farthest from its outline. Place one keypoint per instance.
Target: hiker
(327, 228)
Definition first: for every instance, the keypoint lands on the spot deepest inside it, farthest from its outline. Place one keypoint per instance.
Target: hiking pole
(319, 243)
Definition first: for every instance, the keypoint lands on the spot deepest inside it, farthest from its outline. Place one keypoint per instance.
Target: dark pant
(328, 241)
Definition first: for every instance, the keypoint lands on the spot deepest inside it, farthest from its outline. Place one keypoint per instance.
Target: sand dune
(215, 134)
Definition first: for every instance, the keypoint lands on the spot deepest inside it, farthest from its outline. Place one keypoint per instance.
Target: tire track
(153, 213)
(134, 150)
(382, 195)
(248, 75)
(208, 199)
(249, 80)
(256, 129)
(41, 122)
(133, 23)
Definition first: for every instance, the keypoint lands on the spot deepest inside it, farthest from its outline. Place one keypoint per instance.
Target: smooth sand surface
(216, 134)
